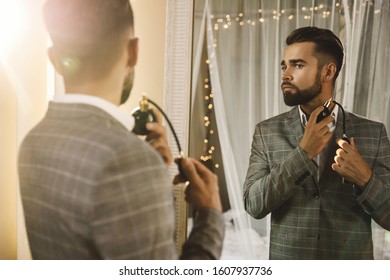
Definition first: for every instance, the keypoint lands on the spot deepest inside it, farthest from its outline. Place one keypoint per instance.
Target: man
(90, 188)
(297, 165)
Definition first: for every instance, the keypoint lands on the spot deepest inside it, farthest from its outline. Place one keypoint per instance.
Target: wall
(149, 20)
(7, 168)
(23, 102)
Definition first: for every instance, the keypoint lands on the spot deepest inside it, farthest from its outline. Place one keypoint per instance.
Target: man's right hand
(316, 134)
(203, 190)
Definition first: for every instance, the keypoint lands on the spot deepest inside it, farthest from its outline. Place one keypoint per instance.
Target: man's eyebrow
(295, 61)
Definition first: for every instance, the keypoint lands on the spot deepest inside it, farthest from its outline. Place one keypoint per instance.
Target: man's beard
(127, 86)
(301, 96)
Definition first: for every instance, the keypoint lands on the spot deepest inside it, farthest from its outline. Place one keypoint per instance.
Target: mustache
(287, 84)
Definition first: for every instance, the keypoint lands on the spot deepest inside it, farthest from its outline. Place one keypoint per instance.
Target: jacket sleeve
(267, 187)
(206, 237)
(375, 199)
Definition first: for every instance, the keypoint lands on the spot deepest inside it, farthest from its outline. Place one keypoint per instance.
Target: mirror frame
(177, 71)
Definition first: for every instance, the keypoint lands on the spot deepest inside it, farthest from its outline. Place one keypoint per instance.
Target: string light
(308, 14)
(209, 148)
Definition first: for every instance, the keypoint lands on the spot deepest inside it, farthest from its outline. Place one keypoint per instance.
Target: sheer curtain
(245, 41)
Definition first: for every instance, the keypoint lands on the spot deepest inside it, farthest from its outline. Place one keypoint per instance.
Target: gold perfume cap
(144, 104)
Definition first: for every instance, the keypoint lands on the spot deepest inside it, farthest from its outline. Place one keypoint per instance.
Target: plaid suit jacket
(311, 218)
(92, 190)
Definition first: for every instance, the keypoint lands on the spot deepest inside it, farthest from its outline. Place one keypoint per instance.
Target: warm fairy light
(217, 165)
(209, 150)
(278, 15)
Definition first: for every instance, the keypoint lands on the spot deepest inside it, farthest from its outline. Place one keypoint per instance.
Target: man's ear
(328, 72)
(55, 60)
(132, 51)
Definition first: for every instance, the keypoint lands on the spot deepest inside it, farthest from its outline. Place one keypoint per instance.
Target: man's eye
(298, 66)
(283, 68)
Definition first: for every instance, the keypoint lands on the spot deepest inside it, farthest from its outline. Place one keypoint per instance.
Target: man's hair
(89, 31)
(328, 45)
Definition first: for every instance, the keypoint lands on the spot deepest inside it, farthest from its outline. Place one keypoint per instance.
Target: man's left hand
(350, 164)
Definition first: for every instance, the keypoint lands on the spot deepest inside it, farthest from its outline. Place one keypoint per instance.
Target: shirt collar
(332, 125)
(122, 117)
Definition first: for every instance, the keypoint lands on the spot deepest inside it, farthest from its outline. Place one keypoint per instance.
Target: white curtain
(245, 42)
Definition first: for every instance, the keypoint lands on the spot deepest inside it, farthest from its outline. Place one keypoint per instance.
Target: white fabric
(124, 118)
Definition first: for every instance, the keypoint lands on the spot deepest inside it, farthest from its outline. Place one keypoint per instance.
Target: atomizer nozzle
(328, 103)
(144, 104)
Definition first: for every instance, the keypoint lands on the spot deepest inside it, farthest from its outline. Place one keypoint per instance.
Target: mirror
(235, 81)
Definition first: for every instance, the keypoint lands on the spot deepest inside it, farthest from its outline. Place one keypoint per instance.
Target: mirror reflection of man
(297, 165)
(91, 189)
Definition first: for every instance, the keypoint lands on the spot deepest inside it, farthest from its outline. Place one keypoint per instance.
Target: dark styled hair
(89, 31)
(328, 45)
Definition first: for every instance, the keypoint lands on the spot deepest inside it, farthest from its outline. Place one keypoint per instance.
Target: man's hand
(157, 138)
(316, 134)
(350, 164)
(202, 191)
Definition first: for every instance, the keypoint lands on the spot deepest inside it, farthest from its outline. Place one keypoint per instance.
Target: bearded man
(322, 191)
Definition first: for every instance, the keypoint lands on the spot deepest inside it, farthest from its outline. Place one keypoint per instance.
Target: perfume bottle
(143, 115)
(325, 112)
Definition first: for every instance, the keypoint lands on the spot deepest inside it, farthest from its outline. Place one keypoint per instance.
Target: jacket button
(316, 196)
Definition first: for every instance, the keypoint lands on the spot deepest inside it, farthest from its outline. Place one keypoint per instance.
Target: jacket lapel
(296, 124)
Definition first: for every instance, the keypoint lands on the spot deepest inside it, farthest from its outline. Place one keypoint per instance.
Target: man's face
(301, 78)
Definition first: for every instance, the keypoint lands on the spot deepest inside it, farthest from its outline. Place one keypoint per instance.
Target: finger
(157, 114)
(203, 171)
(156, 128)
(324, 130)
(341, 153)
(338, 160)
(335, 167)
(326, 121)
(353, 143)
(314, 115)
(189, 170)
(343, 144)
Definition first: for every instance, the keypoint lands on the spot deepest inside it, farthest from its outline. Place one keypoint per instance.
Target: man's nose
(286, 76)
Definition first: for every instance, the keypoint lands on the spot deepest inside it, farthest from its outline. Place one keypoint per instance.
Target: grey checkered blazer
(92, 190)
(313, 219)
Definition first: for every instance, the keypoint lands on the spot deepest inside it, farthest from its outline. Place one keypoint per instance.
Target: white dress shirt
(126, 119)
